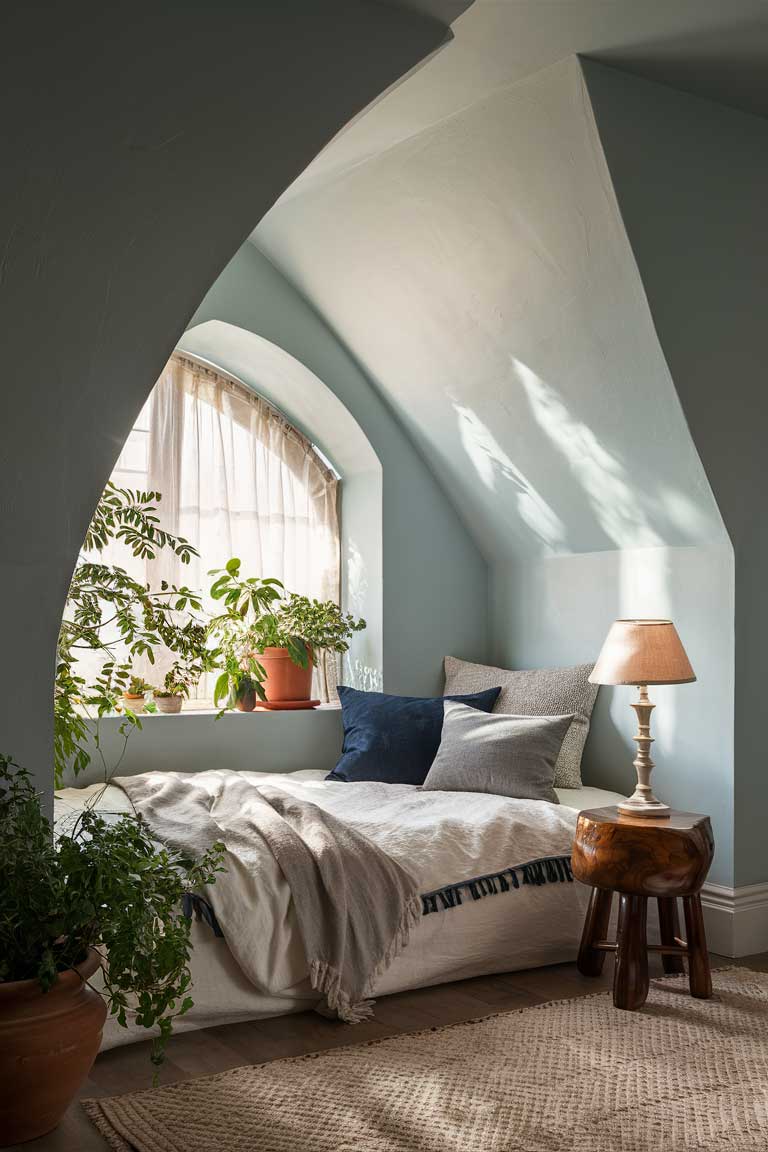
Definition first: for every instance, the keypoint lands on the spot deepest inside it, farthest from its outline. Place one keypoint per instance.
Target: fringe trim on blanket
(195, 905)
(327, 980)
(547, 870)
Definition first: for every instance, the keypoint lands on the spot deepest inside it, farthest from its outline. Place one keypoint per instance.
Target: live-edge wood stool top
(659, 856)
(637, 857)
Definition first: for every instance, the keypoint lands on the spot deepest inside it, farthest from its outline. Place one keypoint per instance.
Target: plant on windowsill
(104, 896)
(245, 601)
(134, 696)
(178, 683)
(308, 631)
(273, 638)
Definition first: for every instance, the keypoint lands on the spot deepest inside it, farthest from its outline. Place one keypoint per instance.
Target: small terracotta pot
(168, 704)
(135, 703)
(285, 680)
(48, 1042)
(246, 702)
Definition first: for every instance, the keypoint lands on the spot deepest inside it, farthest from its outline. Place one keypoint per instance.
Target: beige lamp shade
(642, 652)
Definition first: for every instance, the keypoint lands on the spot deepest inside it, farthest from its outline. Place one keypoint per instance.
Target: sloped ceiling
(480, 272)
(713, 48)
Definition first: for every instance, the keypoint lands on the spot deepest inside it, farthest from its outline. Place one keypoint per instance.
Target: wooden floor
(216, 1049)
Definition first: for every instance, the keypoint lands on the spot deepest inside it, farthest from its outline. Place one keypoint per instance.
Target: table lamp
(643, 652)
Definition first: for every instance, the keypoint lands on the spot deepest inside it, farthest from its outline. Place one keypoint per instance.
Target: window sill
(206, 708)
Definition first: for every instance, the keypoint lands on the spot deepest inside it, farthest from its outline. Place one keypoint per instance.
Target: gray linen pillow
(535, 692)
(492, 752)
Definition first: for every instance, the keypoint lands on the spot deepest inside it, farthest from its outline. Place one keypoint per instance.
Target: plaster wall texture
(143, 145)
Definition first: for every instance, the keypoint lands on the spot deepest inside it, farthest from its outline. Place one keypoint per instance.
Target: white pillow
(536, 692)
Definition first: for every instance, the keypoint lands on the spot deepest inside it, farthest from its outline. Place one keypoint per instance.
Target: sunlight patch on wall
(490, 461)
(600, 474)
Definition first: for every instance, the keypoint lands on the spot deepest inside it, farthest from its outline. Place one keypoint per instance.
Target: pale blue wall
(239, 741)
(691, 178)
(557, 610)
(482, 274)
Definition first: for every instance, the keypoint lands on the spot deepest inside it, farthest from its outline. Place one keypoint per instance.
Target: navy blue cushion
(394, 738)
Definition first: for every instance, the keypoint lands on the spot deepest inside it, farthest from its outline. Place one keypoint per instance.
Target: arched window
(237, 479)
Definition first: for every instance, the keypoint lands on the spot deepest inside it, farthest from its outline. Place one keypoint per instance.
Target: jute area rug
(572, 1076)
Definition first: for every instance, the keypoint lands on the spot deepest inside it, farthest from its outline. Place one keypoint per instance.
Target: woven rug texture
(679, 1075)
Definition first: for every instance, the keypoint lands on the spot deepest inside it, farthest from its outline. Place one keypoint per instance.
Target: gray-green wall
(141, 145)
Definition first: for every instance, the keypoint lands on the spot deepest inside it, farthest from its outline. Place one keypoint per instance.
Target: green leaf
(221, 688)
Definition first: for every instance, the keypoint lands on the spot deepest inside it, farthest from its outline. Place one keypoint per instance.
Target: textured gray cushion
(497, 753)
(538, 692)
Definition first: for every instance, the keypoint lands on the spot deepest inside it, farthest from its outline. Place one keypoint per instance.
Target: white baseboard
(736, 919)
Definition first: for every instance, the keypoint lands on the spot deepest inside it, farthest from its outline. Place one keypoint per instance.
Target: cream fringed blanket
(355, 906)
(681, 1075)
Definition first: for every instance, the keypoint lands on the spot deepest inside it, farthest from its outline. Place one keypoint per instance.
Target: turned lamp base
(642, 802)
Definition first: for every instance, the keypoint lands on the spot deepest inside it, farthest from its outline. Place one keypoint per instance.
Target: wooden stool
(665, 858)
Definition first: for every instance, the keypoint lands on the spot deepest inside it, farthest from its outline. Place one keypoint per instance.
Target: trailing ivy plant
(110, 612)
(107, 886)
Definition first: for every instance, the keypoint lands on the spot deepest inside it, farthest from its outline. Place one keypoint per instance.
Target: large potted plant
(102, 896)
(274, 637)
(296, 636)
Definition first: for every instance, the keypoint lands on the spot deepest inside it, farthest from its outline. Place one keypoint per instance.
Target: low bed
(515, 913)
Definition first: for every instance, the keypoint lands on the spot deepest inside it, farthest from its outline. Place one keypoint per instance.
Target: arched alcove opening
(243, 451)
(113, 233)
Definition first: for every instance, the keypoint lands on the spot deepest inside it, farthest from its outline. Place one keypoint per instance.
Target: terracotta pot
(48, 1042)
(285, 680)
(135, 703)
(246, 702)
(168, 704)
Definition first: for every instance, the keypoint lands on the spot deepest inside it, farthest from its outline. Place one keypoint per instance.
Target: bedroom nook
(382, 577)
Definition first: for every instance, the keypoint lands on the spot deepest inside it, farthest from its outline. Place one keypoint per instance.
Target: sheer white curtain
(236, 480)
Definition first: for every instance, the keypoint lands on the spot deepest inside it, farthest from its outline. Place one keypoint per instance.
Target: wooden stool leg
(669, 925)
(590, 959)
(630, 981)
(699, 976)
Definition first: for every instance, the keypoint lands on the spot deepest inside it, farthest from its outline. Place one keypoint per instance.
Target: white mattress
(525, 928)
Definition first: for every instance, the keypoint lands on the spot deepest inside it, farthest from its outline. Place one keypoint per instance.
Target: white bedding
(524, 928)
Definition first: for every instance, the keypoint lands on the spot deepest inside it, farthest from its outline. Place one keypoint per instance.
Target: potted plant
(245, 601)
(242, 686)
(134, 695)
(102, 896)
(295, 636)
(178, 683)
(274, 637)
